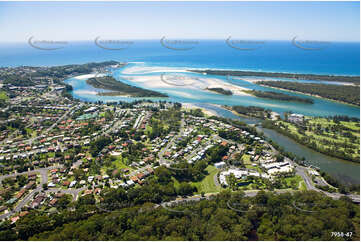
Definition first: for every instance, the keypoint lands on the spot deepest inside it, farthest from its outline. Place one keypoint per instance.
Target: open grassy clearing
(207, 184)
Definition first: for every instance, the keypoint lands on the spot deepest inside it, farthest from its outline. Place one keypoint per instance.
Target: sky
(69, 21)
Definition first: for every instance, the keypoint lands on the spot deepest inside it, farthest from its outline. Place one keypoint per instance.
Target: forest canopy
(344, 93)
(227, 216)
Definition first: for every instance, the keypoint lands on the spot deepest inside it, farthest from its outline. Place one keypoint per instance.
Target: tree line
(280, 96)
(226, 216)
(343, 93)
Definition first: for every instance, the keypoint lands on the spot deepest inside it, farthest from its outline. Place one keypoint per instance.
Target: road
(43, 172)
(163, 161)
(44, 180)
(302, 171)
(29, 141)
(73, 192)
(133, 173)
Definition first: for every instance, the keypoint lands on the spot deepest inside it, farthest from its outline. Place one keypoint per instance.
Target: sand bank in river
(189, 82)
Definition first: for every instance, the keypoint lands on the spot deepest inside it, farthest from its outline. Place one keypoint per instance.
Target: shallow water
(194, 94)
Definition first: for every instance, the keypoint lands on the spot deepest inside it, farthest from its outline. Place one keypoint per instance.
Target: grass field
(327, 136)
(302, 186)
(3, 95)
(119, 164)
(207, 184)
(296, 179)
(246, 159)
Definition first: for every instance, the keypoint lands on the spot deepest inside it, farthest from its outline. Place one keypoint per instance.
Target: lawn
(3, 95)
(119, 164)
(326, 139)
(246, 159)
(207, 184)
(297, 179)
(302, 186)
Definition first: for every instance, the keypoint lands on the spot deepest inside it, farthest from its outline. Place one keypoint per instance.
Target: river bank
(256, 81)
(346, 172)
(295, 76)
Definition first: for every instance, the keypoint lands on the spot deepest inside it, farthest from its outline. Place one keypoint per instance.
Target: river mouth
(188, 87)
(148, 75)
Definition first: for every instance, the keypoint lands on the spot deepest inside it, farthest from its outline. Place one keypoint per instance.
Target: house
(125, 170)
(130, 183)
(73, 183)
(20, 193)
(32, 176)
(97, 190)
(14, 219)
(295, 118)
(224, 143)
(30, 185)
(37, 201)
(51, 184)
(140, 175)
(11, 201)
(53, 202)
(134, 179)
(225, 157)
(59, 195)
(87, 192)
(220, 165)
(22, 214)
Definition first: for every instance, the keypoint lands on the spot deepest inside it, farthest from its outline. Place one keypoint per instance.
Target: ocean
(272, 56)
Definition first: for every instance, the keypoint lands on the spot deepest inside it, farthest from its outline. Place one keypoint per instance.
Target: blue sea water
(337, 58)
(152, 58)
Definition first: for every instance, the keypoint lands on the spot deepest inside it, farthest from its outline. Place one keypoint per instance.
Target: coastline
(237, 114)
(188, 106)
(254, 80)
(296, 76)
(311, 95)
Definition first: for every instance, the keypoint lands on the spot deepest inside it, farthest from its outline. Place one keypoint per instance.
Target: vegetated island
(220, 90)
(279, 96)
(120, 89)
(249, 111)
(351, 79)
(342, 93)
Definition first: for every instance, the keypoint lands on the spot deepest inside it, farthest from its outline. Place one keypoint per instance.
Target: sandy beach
(189, 82)
(194, 106)
(254, 80)
(86, 76)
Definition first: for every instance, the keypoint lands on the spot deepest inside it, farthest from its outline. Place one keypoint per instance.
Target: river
(148, 76)
(344, 171)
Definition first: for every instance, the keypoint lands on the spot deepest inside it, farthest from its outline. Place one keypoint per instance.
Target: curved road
(44, 180)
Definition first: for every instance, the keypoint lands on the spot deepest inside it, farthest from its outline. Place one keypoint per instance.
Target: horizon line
(156, 39)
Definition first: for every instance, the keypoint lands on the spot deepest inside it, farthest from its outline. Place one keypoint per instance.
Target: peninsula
(279, 96)
(342, 93)
(351, 79)
(121, 89)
